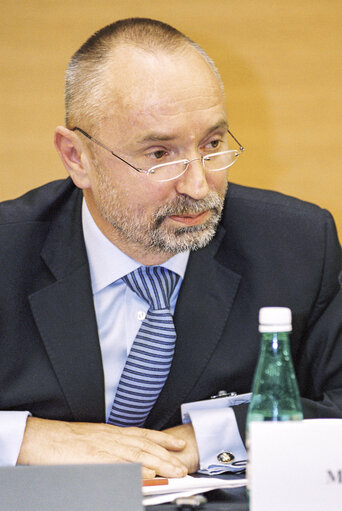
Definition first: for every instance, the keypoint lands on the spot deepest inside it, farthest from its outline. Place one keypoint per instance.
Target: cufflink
(225, 457)
(224, 393)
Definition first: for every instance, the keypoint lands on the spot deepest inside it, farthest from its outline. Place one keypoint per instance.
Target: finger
(149, 447)
(148, 473)
(159, 466)
(144, 445)
(165, 440)
(151, 465)
(135, 454)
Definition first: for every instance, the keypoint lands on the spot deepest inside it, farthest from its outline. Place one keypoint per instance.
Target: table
(218, 500)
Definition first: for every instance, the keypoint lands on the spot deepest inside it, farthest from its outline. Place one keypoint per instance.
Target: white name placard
(296, 465)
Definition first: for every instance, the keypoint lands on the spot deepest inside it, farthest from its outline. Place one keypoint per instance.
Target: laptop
(109, 487)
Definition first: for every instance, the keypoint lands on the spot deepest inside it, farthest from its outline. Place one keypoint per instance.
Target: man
(146, 146)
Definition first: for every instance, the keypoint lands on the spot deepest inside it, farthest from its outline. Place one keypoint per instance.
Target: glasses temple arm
(106, 148)
(236, 140)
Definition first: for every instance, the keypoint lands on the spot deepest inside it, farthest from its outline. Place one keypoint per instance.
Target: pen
(155, 482)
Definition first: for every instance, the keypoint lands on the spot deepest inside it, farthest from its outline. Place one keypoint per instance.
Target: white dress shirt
(119, 311)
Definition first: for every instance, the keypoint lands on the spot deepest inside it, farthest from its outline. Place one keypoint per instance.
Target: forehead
(168, 90)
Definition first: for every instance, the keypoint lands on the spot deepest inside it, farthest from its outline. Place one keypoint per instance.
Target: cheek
(218, 181)
(153, 195)
(135, 191)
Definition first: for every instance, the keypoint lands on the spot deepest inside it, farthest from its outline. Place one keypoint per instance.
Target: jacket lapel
(64, 313)
(203, 307)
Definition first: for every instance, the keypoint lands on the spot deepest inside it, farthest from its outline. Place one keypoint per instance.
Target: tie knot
(155, 284)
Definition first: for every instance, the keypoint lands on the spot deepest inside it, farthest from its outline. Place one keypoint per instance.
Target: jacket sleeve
(319, 367)
(318, 362)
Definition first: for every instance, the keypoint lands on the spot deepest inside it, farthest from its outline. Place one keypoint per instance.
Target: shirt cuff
(218, 440)
(12, 428)
(219, 443)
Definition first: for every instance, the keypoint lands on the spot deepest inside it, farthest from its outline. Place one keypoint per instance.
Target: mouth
(194, 219)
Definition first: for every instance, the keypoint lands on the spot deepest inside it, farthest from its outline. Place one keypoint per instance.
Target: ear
(73, 155)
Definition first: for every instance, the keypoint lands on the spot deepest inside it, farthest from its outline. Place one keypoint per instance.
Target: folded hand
(48, 442)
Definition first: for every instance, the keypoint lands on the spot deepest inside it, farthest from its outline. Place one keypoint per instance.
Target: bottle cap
(275, 319)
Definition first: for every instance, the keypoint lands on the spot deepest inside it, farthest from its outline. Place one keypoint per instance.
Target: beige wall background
(281, 63)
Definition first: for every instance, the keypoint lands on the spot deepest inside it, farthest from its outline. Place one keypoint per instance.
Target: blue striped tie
(148, 363)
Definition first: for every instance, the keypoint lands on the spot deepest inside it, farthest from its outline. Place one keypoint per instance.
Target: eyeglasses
(213, 162)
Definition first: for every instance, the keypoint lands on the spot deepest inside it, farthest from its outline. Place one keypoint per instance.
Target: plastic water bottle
(275, 394)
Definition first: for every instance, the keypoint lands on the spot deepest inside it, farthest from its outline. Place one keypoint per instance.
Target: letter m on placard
(334, 476)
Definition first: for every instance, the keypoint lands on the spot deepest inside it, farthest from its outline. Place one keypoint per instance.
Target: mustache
(184, 205)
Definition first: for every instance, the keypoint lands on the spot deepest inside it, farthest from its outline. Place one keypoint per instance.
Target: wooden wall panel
(281, 63)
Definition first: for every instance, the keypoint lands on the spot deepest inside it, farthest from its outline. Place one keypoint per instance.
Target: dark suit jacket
(269, 250)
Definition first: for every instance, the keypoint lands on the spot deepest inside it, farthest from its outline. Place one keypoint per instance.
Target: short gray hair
(85, 90)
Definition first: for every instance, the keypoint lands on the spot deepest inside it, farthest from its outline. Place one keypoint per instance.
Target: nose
(194, 181)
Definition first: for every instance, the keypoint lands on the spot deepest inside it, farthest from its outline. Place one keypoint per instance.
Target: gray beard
(157, 237)
(153, 235)
(188, 237)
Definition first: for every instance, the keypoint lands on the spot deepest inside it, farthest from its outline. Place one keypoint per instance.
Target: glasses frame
(153, 169)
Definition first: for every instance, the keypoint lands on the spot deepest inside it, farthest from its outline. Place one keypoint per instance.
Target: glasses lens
(212, 163)
(220, 161)
(167, 171)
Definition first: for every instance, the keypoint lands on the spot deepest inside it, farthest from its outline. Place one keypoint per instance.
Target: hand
(189, 456)
(49, 442)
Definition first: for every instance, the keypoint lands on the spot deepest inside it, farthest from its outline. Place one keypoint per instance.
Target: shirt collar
(108, 263)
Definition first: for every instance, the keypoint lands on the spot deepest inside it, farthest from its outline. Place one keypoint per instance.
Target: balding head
(90, 77)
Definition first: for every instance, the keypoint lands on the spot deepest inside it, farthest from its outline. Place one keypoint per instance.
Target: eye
(158, 154)
(213, 144)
